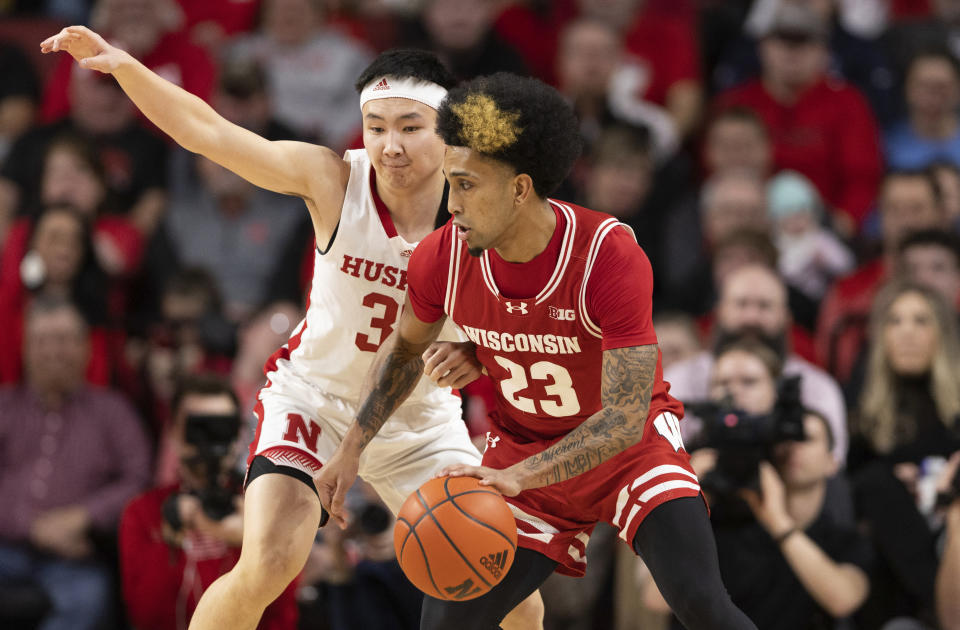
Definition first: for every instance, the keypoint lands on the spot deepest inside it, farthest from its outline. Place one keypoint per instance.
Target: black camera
(744, 440)
(211, 438)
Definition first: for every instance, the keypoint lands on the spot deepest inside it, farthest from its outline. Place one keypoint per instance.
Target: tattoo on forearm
(628, 375)
(396, 378)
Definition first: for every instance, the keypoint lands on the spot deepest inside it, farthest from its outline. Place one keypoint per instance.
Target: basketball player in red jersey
(557, 299)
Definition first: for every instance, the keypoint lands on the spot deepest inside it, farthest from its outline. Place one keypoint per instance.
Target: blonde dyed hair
(879, 419)
(484, 127)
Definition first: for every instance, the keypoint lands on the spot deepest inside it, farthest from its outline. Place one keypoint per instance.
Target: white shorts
(301, 428)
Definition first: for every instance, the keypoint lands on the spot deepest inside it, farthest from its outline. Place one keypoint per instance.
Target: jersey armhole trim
(453, 275)
(598, 236)
(325, 251)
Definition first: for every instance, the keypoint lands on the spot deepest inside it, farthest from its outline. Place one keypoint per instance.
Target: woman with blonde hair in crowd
(907, 423)
(911, 395)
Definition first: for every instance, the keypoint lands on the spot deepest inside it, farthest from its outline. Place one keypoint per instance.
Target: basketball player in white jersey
(369, 209)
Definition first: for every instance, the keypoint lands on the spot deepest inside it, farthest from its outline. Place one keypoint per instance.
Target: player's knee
(528, 615)
(265, 571)
(701, 604)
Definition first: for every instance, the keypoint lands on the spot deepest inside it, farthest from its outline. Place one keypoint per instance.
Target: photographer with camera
(176, 539)
(352, 579)
(753, 302)
(785, 559)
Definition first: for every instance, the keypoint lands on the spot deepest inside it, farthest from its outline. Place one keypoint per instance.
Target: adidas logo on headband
(425, 92)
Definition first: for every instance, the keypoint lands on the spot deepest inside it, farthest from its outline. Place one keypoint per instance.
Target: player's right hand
(89, 49)
(333, 481)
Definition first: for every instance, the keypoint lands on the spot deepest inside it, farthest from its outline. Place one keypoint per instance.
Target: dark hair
(84, 149)
(754, 240)
(515, 120)
(739, 113)
(194, 281)
(925, 174)
(828, 430)
(750, 345)
(941, 238)
(202, 385)
(934, 51)
(620, 141)
(90, 284)
(406, 63)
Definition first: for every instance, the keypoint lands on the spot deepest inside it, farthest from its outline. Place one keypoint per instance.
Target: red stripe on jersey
(283, 352)
(382, 211)
(258, 412)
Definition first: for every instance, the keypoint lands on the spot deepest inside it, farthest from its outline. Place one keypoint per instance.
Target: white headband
(425, 92)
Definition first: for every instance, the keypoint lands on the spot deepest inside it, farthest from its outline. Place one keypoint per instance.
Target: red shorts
(557, 520)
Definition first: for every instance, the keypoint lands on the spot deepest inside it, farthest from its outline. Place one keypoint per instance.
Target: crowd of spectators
(791, 168)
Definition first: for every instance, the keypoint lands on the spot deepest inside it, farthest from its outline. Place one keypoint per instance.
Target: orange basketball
(455, 539)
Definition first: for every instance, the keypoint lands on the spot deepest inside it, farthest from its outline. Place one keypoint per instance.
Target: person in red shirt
(557, 300)
(821, 127)
(660, 42)
(165, 569)
(909, 201)
(146, 30)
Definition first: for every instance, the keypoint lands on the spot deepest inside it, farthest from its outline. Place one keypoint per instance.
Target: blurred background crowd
(791, 168)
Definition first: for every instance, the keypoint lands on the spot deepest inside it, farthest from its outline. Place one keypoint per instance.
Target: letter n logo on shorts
(298, 431)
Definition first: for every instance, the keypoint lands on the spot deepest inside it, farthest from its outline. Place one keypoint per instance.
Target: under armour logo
(492, 440)
(520, 306)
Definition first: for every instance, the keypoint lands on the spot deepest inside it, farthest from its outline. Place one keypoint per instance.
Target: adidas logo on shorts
(495, 562)
(383, 85)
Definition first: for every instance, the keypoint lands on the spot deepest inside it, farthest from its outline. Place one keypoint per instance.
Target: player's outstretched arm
(286, 167)
(395, 372)
(628, 375)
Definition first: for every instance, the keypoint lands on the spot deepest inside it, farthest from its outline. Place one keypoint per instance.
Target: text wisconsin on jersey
(522, 342)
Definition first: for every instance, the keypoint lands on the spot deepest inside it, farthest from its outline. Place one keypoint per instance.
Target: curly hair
(406, 63)
(515, 120)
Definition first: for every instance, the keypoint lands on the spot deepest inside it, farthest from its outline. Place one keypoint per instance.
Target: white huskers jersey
(355, 300)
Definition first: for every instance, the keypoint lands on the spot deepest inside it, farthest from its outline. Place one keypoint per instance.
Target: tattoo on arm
(395, 376)
(628, 375)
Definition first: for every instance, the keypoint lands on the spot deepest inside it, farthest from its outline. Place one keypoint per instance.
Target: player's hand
(333, 481)
(769, 506)
(452, 364)
(89, 49)
(503, 480)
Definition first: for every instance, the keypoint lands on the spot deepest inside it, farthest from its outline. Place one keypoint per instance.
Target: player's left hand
(503, 480)
(452, 364)
(769, 506)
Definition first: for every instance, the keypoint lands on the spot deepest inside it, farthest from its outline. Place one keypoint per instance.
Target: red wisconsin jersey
(545, 352)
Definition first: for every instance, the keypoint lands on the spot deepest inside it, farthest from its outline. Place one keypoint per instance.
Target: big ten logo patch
(561, 314)
(306, 432)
